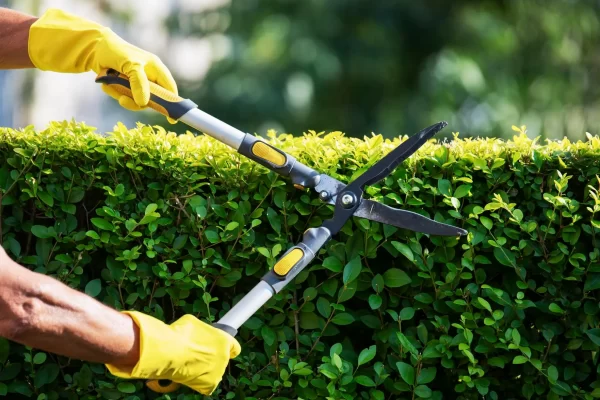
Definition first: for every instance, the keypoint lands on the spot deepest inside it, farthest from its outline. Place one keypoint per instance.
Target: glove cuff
(63, 42)
(156, 361)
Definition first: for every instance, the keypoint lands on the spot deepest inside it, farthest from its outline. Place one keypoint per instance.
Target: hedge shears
(347, 198)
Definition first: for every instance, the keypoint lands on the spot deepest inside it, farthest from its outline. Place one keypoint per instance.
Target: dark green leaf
(375, 301)
(552, 374)
(594, 335)
(102, 224)
(342, 319)
(592, 282)
(333, 264)
(395, 277)
(404, 249)
(426, 375)
(46, 374)
(364, 381)
(407, 313)
(93, 287)
(352, 270)
(423, 391)
(444, 187)
(378, 283)
(46, 198)
(407, 372)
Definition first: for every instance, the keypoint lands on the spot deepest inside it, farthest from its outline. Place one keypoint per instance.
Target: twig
(296, 324)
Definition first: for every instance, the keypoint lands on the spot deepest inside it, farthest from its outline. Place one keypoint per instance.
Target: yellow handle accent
(266, 152)
(155, 386)
(288, 261)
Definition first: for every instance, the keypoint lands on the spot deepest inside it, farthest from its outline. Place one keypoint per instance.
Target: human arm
(58, 41)
(43, 313)
(14, 36)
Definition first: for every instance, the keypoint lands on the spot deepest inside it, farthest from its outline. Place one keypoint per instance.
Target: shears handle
(162, 100)
(177, 108)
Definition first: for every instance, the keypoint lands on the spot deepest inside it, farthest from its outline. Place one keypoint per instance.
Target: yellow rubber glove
(62, 42)
(189, 352)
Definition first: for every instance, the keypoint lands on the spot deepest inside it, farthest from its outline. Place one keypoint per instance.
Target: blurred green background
(358, 66)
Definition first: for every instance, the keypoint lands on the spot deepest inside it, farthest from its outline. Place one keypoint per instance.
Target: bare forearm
(43, 313)
(14, 37)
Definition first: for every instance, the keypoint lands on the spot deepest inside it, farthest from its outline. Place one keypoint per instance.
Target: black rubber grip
(174, 109)
(226, 328)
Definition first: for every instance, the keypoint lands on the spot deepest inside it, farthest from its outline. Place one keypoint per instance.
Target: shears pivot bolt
(348, 200)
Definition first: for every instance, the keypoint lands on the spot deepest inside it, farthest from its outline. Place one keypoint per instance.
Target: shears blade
(413, 221)
(387, 164)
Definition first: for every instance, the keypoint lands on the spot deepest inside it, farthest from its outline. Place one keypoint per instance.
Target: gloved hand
(189, 352)
(62, 42)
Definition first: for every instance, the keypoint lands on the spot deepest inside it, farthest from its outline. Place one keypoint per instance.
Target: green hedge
(147, 220)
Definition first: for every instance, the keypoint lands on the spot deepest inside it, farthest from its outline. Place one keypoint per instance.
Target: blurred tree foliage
(394, 67)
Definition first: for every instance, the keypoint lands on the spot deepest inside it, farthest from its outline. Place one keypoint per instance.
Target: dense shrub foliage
(147, 220)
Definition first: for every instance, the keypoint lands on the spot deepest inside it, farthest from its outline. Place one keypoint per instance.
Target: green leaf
(594, 335)
(426, 375)
(274, 219)
(93, 287)
(367, 355)
(404, 249)
(462, 191)
(552, 374)
(444, 187)
(324, 307)
(407, 313)
(310, 293)
(486, 222)
(232, 225)
(407, 344)
(40, 231)
(395, 277)
(425, 298)
(267, 334)
(46, 198)
(516, 337)
(46, 374)
(187, 266)
(333, 264)
(364, 381)
(3, 389)
(102, 224)
(407, 372)
(423, 391)
(126, 387)
(337, 361)
(520, 360)
(342, 319)
(150, 208)
(555, 308)
(352, 270)
(39, 358)
(484, 303)
(378, 283)
(592, 282)
(504, 256)
(375, 301)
